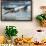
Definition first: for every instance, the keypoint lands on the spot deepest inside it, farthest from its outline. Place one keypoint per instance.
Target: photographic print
(13, 10)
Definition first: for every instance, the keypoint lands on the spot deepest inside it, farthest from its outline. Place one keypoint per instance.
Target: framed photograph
(20, 10)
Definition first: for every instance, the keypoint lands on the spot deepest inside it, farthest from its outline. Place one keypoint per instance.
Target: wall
(26, 27)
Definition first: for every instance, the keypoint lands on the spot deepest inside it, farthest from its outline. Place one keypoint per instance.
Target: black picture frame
(16, 19)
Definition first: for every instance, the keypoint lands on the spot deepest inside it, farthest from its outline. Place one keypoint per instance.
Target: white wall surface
(26, 27)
